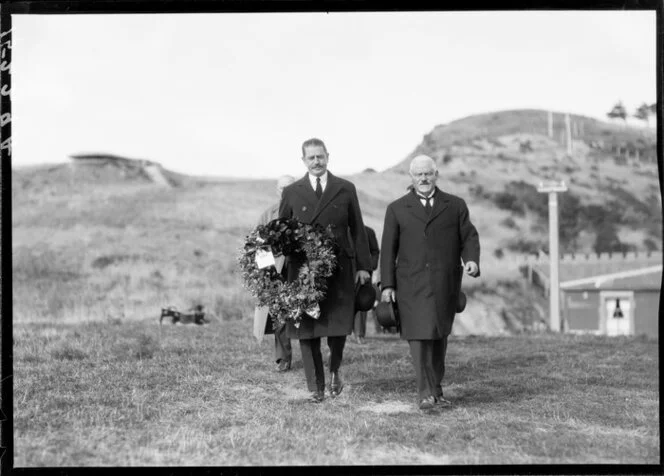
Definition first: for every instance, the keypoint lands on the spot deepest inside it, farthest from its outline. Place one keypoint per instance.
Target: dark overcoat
(339, 208)
(421, 258)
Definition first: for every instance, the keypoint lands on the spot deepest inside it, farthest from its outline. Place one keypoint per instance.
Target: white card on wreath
(264, 259)
(279, 262)
(314, 311)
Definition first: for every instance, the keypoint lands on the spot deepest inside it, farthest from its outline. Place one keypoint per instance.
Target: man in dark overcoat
(426, 236)
(320, 197)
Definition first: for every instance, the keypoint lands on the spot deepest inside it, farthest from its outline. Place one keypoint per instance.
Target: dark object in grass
(196, 315)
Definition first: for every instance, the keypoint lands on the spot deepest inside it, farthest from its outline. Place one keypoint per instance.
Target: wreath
(265, 250)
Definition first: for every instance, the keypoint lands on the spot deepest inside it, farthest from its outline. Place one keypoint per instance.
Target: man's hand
(471, 268)
(375, 278)
(388, 295)
(362, 276)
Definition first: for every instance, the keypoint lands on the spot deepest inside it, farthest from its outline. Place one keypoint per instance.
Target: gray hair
(422, 159)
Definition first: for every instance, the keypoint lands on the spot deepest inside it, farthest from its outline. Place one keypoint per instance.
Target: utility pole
(553, 188)
(568, 130)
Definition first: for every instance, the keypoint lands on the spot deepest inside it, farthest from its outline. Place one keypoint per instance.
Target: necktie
(319, 189)
(427, 205)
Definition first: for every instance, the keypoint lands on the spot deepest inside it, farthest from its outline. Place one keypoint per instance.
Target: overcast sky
(236, 94)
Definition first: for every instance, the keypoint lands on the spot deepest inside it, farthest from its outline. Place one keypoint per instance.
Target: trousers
(282, 345)
(360, 324)
(429, 362)
(312, 360)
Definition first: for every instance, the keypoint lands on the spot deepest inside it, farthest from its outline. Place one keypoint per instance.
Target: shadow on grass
(500, 392)
(377, 387)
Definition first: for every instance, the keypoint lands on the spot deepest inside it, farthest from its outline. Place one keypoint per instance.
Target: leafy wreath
(312, 245)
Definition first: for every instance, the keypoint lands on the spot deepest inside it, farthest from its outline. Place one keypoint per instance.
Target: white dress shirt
(423, 199)
(323, 181)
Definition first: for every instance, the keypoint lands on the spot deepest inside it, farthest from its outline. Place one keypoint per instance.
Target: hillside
(496, 160)
(97, 244)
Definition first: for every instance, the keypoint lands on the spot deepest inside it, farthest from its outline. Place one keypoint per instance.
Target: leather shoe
(427, 403)
(283, 366)
(317, 397)
(336, 385)
(443, 402)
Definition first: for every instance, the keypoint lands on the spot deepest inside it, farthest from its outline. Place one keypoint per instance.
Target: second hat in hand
(387, 314)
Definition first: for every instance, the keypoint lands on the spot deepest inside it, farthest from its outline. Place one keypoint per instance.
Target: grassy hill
(95, 243)
(496, 160)
(125, 249)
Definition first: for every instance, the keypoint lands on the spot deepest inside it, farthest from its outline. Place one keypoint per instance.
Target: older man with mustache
(426, 235)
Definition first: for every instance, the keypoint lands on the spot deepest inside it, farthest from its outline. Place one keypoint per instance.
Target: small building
(606, 294)
(623, 303)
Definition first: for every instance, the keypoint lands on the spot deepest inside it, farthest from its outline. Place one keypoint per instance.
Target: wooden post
(553, 189)
(568, 131)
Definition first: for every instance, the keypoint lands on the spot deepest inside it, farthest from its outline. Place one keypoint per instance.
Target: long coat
(421, 258)
(339, 208)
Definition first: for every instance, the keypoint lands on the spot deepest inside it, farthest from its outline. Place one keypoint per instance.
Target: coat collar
(303, 187)
(440, 203)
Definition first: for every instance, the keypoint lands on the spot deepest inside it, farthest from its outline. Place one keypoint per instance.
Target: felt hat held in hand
(387, 314)
(365, 297)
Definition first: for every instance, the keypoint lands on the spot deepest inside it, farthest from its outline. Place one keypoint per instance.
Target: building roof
(641, 279)
(618, 272)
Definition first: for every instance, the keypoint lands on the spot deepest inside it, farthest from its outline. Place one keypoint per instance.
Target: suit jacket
(268, 215)
(421, 258)
(339, 208)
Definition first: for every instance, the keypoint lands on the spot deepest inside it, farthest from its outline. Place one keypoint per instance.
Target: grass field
(98, 382)
(101, 393)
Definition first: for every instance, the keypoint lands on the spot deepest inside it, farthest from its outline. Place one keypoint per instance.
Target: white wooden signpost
(553, 188)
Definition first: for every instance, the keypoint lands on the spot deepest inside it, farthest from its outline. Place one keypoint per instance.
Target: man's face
(315, 158)
(424, 177)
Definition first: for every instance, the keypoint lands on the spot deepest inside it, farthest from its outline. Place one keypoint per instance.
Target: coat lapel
(306, 193)
(440, 203)
(415, 207)
(331, 190)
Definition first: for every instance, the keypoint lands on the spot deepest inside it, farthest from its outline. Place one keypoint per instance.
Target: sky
(237, 94)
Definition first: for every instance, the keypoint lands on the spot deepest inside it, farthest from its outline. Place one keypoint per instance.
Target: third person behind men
(360, 323)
